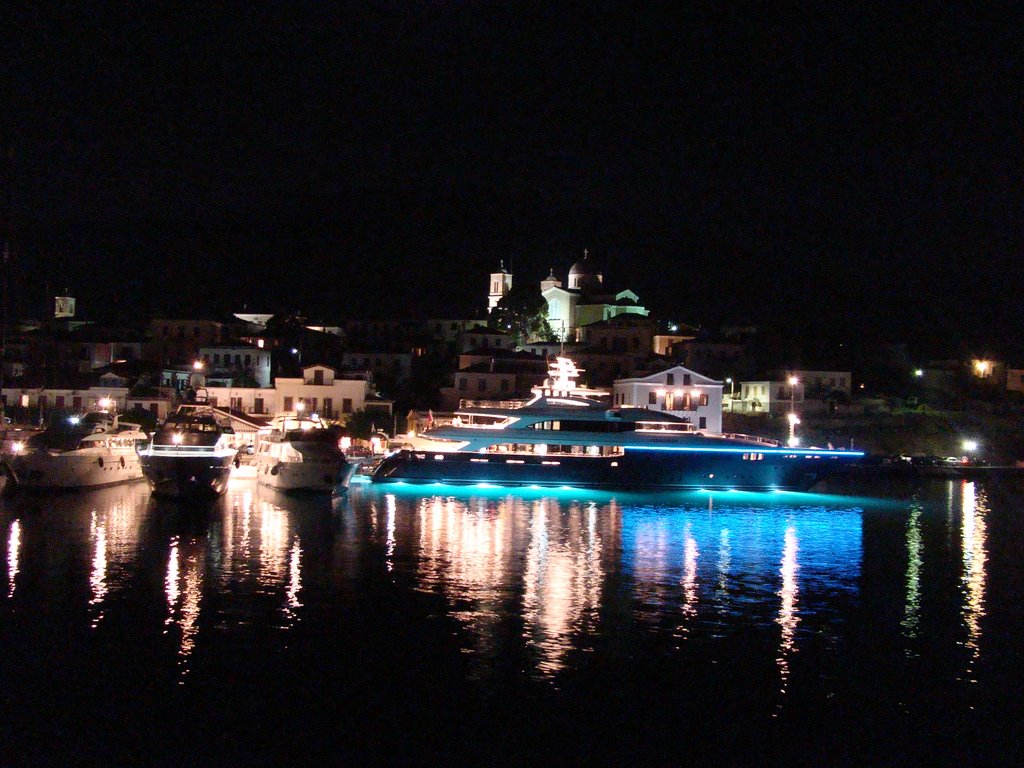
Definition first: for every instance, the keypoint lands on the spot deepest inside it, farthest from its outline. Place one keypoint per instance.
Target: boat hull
(187, 477)
(755, 470)
(308, 476)
(44, 470)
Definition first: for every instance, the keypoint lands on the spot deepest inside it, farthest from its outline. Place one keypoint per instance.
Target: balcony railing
(503, 404)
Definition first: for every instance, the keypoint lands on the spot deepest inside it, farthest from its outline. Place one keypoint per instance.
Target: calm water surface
(429, 624)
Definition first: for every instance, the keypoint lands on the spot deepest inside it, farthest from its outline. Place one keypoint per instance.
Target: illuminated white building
(678, 391)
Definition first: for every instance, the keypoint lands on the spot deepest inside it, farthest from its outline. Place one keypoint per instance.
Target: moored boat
(191, 454)
(567, 435)
(301, 454)
(83, 452)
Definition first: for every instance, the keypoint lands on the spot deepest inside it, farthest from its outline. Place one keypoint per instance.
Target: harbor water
(874, 622)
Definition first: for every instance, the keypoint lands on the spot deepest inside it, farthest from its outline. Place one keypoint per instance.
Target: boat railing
(503, 404)
(770, 441)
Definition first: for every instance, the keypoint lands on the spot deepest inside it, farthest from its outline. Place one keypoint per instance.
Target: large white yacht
(191, 454)
(567, 435)
(300, 453)
(84, 451)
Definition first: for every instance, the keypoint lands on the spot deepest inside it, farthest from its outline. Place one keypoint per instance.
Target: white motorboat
(82, 452)
(301, 454)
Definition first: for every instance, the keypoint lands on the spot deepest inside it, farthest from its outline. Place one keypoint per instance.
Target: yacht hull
(756, 470)
(187, 477)
(310, 476)
(44, 470)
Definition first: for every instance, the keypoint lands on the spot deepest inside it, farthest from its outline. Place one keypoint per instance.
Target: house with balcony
(321, 389)
(677, 391)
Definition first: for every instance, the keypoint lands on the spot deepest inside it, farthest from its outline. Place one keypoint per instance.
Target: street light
(732, 391)
(970, 447)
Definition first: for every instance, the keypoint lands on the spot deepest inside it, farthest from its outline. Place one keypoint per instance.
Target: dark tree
(523, 313)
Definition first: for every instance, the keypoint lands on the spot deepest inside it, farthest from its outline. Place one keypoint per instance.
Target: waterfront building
(61, 398)
(494, 377)
(678, 391)
(238, 364)
(774, 398)
(326, 391)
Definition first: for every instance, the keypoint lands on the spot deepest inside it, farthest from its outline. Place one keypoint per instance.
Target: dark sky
(851, 167)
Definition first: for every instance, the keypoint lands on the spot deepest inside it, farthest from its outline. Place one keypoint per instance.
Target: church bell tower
(501, 283)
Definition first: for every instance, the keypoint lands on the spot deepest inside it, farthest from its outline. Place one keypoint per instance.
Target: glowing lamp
(17, 447)
(970, 446)
(176, 438)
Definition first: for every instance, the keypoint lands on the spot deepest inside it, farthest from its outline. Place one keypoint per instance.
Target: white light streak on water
(292, 601)
(389, 550)
(788, 617)
(975, 556)
(98, 577)
(171, 581)
(13, 549)
(912, 605)
(691, 588)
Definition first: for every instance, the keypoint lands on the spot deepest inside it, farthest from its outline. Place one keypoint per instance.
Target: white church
(582, 300)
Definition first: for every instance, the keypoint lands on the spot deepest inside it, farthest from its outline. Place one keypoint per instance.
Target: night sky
(845, 167)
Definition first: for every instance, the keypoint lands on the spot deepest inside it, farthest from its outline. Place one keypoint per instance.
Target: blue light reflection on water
(695, 564)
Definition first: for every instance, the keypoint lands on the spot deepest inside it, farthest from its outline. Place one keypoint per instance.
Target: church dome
(585, 275)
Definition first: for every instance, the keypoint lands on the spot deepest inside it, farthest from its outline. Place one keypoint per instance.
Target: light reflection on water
(974, 538)
(13, 548)
(539, 575)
